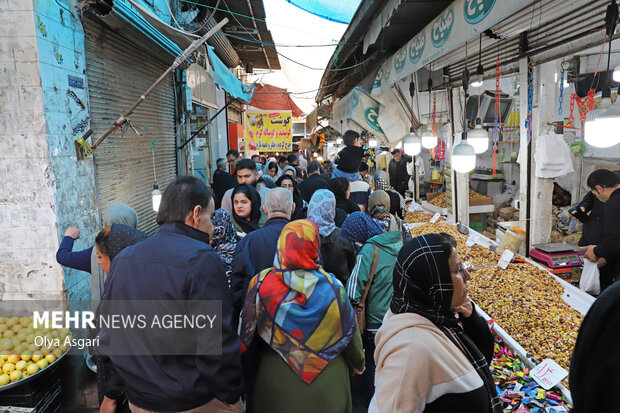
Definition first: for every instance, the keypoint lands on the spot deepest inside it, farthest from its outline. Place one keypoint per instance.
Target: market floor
(79, 387)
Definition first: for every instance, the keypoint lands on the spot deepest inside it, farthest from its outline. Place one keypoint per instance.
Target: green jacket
(380, 293)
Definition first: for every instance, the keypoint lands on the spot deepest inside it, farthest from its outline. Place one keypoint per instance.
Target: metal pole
(177, 62)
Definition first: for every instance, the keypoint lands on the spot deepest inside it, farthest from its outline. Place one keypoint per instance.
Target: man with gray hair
(255, 252)
(222, 181)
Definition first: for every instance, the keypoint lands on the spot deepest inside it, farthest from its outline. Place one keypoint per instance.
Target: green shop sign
(442, 27)
(475, 11)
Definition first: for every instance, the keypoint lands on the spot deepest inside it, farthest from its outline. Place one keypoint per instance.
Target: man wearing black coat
(399, 177)
(177, 263)
(605, 185)
(222, 181)
(256, 251)
(313, 182)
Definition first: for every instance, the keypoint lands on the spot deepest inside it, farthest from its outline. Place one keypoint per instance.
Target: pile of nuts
(417, 217)
(441, 200)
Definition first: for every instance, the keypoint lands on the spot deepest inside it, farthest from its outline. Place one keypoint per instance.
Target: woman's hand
(357, 372)
(466, 309)
(108, 405)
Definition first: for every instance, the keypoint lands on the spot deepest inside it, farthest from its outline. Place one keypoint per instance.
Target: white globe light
(463, 156)
(479, 139)
(156, 196)
(339, 141)
(477, 82)
(600, 130)
(372, 142)
(617, 73)
(411, 144)
(429, 141)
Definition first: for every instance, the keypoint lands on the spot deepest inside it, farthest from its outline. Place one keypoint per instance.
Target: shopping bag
(590, 281)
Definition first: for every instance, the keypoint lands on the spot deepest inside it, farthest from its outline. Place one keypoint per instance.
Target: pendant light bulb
(429, 141)
(478, 138)
(156, 197)
(477, 80)
(372, 142)
(412, 144)
(463, 156)
(617, 74)
(605, 132)
(339, 141)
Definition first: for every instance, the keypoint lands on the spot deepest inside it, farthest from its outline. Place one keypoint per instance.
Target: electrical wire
(286, 57)
(245, 39)
(599, 61)
(254, 18)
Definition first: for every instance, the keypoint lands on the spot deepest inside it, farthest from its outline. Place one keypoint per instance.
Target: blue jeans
(363, 387)
(352, 177)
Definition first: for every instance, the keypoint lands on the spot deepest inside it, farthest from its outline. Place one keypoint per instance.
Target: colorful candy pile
(517, 390)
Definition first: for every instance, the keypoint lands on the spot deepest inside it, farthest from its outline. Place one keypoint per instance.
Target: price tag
(548, 374)
(505, 259)
(414, 206)
(435, 217)
(472, 239)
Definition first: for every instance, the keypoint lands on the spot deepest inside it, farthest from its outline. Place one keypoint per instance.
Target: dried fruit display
(417, 217)
(441, 200)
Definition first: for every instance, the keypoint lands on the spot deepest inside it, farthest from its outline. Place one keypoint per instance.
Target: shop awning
(339, 11)
(226, 80)
(269, 97)
(457, 24)
(359, 108)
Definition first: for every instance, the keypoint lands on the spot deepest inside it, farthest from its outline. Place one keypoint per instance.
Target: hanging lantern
(412, 144)
(463, 156)
(479, 138)
(156, 197)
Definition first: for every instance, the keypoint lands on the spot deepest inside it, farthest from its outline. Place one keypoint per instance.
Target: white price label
(414, 206)
(435, 217)
(548, 374)
(472, 239)
(505, 259)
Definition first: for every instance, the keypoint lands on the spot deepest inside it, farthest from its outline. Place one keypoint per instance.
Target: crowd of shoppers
(327, 304)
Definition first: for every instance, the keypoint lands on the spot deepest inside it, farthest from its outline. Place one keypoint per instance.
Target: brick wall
(28, 239)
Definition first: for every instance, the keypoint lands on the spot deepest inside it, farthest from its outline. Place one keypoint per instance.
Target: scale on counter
(557, 255)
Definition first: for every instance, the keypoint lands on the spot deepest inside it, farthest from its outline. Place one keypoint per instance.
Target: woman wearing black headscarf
(247, 216)
(594, 378)
(341, 189)
(449, 371)
(109, 243)
(289, 182)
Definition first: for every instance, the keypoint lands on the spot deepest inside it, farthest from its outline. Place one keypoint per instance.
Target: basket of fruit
(27, 352)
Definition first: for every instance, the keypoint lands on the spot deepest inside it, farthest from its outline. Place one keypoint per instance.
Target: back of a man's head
(279, 201)
(604, 178)
(181, 197)
(221, 162)
(350, 137)
(233, 152)
(255, 158)
(314, 167)
(292, 159)
(282, 160)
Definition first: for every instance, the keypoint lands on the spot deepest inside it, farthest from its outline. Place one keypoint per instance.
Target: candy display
(24, 350)
(518, 391)
(523, 299)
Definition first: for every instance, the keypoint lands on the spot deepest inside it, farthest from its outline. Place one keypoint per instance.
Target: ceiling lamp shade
(372, 142)
(594, 132)
(477, 80)
(463, 156)
(606, 128)
(411, 144)
(617, 73)
(429, 141)
(478, 138)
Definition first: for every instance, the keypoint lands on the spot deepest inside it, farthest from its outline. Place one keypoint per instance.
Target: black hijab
(423, 285)
(117, 239)
(254, 197)
(339, 187)
(300, 211)
(594, 377)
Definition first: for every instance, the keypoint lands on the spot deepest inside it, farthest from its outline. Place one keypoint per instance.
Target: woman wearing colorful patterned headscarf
(451, 354)
(337, 253)
(224, 239)
(307, 327)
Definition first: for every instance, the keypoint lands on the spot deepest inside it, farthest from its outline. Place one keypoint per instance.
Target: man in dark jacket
(177, 263)
(399, 178)
(256, 251)
(605, 185)
(222, 181)
(313, 182)
(592, 229)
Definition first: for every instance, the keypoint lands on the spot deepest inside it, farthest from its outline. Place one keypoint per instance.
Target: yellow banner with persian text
(269, 131)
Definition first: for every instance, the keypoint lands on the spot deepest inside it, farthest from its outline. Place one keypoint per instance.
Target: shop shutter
(118, 71)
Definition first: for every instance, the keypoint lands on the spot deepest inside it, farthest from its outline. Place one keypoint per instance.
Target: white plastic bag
(590, 281)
